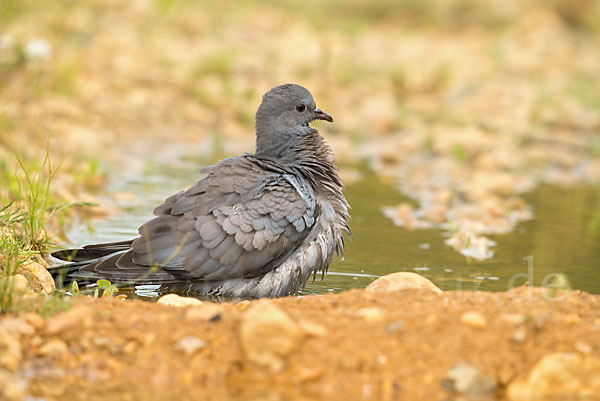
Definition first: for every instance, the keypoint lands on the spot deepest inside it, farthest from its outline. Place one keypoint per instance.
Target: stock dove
(257, 225)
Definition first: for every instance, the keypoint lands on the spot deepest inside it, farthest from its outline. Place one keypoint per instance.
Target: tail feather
(117, 245)
(92, 252)
(108, 260)
(63, 274)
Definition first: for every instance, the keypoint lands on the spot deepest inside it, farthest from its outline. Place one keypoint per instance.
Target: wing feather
(242, 220)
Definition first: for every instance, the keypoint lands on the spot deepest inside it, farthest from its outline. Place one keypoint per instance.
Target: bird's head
(285, 112)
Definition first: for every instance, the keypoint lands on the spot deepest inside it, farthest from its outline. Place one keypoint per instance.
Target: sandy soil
(352, 345)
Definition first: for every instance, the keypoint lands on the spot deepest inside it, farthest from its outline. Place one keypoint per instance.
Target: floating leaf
(74, 288)
(103, 284)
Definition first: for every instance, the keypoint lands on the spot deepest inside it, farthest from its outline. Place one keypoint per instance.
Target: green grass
(10, 9)
(14, 253)
(30, 195)
(459, 153)
(25, 210)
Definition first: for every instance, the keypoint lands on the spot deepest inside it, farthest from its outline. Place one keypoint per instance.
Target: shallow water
(562, 238)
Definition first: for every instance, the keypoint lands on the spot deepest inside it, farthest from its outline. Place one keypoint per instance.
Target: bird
(256, 225)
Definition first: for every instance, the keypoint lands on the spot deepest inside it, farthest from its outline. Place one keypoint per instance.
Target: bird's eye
(300, 108)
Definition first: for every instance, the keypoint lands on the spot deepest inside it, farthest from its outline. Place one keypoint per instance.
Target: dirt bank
(352, 345)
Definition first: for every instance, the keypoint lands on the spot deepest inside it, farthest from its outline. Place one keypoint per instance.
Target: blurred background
(467, 132)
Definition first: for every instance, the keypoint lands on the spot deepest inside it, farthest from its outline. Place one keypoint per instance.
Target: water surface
(562, 238)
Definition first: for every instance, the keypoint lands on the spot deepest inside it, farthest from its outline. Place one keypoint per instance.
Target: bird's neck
(304, 151)
(277, 144)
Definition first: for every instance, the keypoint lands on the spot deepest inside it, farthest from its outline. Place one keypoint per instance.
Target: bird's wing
(240, 221)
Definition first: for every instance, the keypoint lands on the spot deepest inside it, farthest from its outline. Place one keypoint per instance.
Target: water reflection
(561, 239)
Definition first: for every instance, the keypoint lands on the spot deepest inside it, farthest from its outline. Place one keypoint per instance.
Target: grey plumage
(256, 225)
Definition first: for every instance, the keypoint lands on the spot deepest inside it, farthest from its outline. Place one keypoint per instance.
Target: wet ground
(559, 243)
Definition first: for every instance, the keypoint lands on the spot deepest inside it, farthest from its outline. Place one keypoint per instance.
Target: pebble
(582, 347)
(144, 339)
(11, 387)
(243, 305)
(573, 319)
(17, 325)
(401, 281)
(514, 318)
(268, 335)
(465, 378)
(38, 277)
(559, 376)
(371, 314)
(54, 349)
(35, 320)
(129, 347)
(190, 344)
(178, 301)
(474, 319)
(207, 311)
(37, 49)
(113, 345)
(308, 374)
(394, 326)
(10, 351)
(20, 283)
(312, 329)
(76, 318)
(519, 335)
(35, 341)
(350, 361)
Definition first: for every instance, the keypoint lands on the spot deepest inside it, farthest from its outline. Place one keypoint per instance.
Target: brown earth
(399, 347)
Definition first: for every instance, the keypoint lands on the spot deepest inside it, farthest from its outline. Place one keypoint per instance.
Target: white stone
(190, 344)
(474, 319)
(38, 49)
(401, 281)
(559, 376)
(371, 314)
(178, 301)
(268, 335)
(465, 378)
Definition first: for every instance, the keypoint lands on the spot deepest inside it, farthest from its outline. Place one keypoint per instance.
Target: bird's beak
(321, 115)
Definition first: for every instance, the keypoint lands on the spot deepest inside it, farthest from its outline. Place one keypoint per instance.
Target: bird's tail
(82, 257)
(92, 252)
